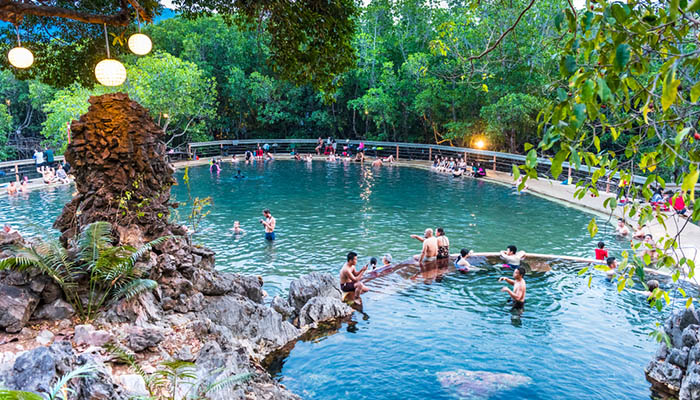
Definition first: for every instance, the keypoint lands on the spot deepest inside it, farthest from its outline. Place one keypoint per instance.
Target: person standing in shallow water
(517, 295)
(269, 222)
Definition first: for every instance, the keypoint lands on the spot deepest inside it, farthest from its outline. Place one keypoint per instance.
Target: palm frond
(227, 383)
(134, 288)
(18, 395)
(127, 358)
(93, 238)
(58, 391)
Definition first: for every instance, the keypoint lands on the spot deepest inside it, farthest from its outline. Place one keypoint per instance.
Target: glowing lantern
(140, 44)
(480, 144)
(110, 72)
(20, 57)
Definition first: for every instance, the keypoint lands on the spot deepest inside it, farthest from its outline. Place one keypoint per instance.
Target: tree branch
(14, 11)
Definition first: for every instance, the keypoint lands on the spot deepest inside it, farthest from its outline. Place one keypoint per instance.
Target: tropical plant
(108, 272)
(59, 391)
(175, 378)
(198, 211)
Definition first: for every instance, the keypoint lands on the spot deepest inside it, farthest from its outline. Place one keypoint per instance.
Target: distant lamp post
(110, 72)
(19, 56)
(140, 44)
(479, 144)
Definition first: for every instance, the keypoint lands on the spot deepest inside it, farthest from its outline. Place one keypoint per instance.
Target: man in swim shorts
(517, 295)
(269, 222)
(512, 257)
(350, 278)
(430, 246)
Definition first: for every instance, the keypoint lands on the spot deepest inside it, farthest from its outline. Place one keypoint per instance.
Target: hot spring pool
(445, 340)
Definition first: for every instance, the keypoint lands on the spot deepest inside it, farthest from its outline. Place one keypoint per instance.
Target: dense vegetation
(411, 81)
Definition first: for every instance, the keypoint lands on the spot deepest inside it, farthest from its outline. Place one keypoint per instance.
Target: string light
(19, 56)
(139, 43)
(109, 71)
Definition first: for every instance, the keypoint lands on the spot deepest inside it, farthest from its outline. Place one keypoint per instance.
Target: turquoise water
(571, 342)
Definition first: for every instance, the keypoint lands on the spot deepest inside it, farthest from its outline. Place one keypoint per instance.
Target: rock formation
(675, 372)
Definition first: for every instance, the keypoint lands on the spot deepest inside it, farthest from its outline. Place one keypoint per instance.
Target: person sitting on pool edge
(512, 257)
(517, 295)
(350, 278)
(430, 246)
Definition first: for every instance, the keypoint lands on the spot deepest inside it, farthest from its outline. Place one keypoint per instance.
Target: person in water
(12, 189)
(214, 167)
(512, 257)
(373, 263)
(237, 230)
(443, 244)
(612, 267)
(601, 253)
(650, 246)
(622, 229)
(640, 232)
(269, 222)
(652, 285)
(238, 175)
(387, 260)
(430, 247)
(377, 163)
(461, 263)
(517, 295)
(350, 278)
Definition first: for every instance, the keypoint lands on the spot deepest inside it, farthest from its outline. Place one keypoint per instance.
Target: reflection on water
(571, 342)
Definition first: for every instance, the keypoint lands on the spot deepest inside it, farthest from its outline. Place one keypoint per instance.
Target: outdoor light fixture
(19, 56)
(480, 144)
(139, 43)
(110, 72)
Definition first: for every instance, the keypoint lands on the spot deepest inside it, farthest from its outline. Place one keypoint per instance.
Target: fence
(489, 160)
(12, 170)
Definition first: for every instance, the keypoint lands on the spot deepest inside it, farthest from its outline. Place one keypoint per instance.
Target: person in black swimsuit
(350, 279)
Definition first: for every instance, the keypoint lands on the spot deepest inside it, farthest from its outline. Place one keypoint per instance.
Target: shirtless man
(12, 189)
(512, 257)
(622, 229)
(237, 230)
(430, 246)
(269, 223)
(518, 292)
(350, 278)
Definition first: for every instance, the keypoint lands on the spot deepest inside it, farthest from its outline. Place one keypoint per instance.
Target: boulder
(87, 335)
(679, 357)
(133, 385)
(212, 283)
(59, 309)
(139, 339)
(690, 335)
(320, 309)
(281, 305)
(694, 354)
(687, 317)
(34, 371)
(312, 285)
(98, 385)
(17, 306)
(690, 389)
(665, 378)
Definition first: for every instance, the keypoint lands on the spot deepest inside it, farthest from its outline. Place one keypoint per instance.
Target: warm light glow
(110, 72)
(166, 116)
(20, 57)
(140, 44)
(480, 144)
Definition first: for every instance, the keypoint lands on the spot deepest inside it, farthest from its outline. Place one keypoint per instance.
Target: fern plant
(61, 390)
(109, 273)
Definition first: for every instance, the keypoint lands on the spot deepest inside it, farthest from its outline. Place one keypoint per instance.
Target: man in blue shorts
(269, 223)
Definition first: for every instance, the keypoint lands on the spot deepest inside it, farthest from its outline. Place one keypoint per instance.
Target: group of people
(50, 171)
(458, 167)
(268, 222)
(649, 246)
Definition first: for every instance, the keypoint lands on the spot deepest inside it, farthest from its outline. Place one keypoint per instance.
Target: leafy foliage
(109, 273)
(61, 390)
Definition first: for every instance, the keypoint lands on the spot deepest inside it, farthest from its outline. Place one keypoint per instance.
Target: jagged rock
(139, 339)
(312, 285)
(59, 309)
(15, 278)
(99, 385)
(51, 292)
(250, 320)
(690, 335)
(661, 352)
(694, 354)
(688, 317)
(87, 335)
(133, 385)
(140, 309)
(34, 371)
(679, 357)
(281, 305)
(212, 283)
(17, 306)
(323, 309)
(664, 377)
(185, 354)
(44, 337)
(690, 389)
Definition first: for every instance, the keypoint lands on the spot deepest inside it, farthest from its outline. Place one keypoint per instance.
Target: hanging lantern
(140, 44)
(110, 72)
(20, 57)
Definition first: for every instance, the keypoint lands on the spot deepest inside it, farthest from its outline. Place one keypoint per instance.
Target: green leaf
(570, 64)
(622, 56)
(688, 302)
(516, 172)
(620, 12)
(680, 136)
(596, 143)
(673, 8)
(562, 95)
(603, 90)
(689, 182)
(579, 114)
(588, 90)
(592, 227)
(670, 90)
(531, 159)
(695, 92)
(583, 271)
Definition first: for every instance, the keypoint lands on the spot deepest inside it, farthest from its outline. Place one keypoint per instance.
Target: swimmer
(622, 229)
(238, 175)
(377, 163)
(350, 278)
(612, 265)
(386, 260)
(430, 246)
(373, 263)
(461, 263)
(214, 167)
(512, 257)
(12, 189)
(24, 186)
(237, 228)
(600, 252)
(234, 159)
(518, 293)
(652, 285)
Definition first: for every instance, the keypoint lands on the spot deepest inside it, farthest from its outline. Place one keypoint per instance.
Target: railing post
(430, 154)
(397, 152)
(568, 180)
(494, 162)
(16, 172)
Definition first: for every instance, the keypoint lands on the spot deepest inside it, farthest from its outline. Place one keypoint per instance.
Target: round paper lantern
(20, 57)
(110, 72)
(140, 44)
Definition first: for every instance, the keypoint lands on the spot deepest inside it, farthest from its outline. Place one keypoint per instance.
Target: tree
(5, 127)
(512, 119)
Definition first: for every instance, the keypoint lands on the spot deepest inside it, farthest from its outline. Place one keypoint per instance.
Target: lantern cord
(19, 44)
(107, 41)
(138, 20)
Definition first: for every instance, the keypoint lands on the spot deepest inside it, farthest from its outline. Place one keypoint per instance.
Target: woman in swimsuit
(443, 251)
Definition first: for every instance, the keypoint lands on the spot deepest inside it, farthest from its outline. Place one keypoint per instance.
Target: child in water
(237, 228)
(601, 253)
